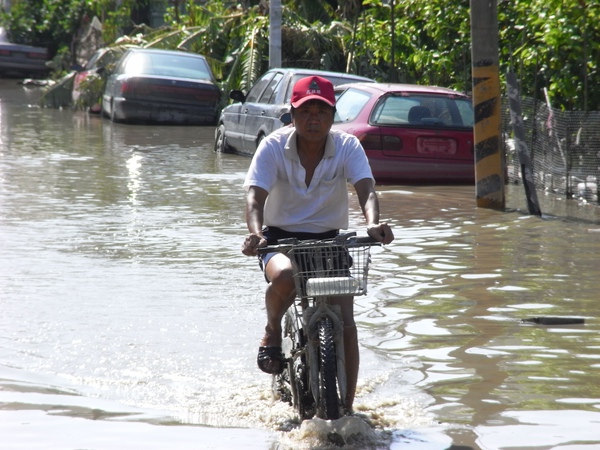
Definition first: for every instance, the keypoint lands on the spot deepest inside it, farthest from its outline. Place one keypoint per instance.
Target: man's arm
(255, 204)
(367, 197)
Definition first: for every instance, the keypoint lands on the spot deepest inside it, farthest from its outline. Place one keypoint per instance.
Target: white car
(246, 122)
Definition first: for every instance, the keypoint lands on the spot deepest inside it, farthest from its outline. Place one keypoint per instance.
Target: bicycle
(314, 378)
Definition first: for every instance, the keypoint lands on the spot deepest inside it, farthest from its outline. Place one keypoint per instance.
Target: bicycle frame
(313, 341)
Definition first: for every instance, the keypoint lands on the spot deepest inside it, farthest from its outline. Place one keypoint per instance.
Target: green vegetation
(551, 44)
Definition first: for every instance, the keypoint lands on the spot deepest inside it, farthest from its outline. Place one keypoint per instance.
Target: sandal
(270, 354)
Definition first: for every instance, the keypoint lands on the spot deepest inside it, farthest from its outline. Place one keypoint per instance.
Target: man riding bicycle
(297, 186)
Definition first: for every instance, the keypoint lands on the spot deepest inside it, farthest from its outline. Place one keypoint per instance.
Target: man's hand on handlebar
(252, 243)
(381, 233)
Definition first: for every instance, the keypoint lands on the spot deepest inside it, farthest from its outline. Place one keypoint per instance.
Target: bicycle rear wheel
(329, 397)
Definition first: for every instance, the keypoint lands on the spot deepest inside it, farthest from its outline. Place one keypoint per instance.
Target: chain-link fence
(564, 147)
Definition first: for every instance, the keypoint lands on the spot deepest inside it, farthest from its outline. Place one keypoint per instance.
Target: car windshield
(169, 65)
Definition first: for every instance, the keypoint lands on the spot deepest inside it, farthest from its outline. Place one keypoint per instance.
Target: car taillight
(371, 141)
(208, 95)
(5, 52)
(36, 55)
(392, 143)
(133, 88)
(126, 88)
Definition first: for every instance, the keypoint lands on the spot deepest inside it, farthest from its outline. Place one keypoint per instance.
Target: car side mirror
(238, 96)
(286, 118)
(100, 70)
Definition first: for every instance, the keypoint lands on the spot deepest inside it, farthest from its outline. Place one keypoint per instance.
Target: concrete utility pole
(489, 167)
(275, 34)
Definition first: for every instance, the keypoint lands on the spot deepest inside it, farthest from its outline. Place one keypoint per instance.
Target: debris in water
(555, 320)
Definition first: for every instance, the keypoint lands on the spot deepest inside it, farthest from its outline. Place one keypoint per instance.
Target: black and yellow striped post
(489, 167)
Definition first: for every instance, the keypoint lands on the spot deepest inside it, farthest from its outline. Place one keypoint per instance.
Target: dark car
(18, 59)
(411, 133)
(162, 86)
(244, 124)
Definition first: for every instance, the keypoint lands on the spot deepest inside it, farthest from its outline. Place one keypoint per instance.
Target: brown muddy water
(129, 319)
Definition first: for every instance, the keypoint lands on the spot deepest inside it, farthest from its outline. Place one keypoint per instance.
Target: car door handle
(263, 113)
(246, 111)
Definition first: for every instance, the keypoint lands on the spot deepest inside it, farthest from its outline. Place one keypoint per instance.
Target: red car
(411, 134)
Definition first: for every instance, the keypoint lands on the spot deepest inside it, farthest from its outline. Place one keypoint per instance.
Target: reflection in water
(455, 300)
(484, 370)
(133, 167)
(124, 294)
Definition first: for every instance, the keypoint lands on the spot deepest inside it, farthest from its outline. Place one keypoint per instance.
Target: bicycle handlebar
(345, 239)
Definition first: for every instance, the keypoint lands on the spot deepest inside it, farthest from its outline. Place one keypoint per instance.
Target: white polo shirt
(293, 206)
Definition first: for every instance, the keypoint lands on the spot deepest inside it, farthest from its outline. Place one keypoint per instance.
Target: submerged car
(246, 122)
(19, 59)
(87, 80)
(410, 133)
(162, 86)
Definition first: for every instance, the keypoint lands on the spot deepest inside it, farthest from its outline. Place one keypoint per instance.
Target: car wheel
(220, 140)
(259, 140)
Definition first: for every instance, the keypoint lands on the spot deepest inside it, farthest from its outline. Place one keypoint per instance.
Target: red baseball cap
(313, 88)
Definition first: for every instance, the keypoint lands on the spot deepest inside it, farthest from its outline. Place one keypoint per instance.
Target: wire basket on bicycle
(330, 269)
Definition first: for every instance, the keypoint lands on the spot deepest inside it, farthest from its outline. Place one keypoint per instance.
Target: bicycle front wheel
(329, 398)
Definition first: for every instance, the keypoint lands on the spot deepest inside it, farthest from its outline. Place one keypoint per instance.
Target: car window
(103, 58)
(167, 65)
(258, 88)
(465, 109)
(180, 66)
(93, 60)
(423, 110)
(295, 78)
(137, 63)
(349, 104)
(267, 96)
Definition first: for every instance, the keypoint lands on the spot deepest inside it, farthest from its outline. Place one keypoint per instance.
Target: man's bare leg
(352, 355)
(351, 351)
(279, 297)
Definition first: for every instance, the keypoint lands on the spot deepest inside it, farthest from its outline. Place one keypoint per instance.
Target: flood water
(129, 319)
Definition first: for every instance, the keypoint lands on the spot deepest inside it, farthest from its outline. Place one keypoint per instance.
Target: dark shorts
(273, 234)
